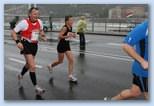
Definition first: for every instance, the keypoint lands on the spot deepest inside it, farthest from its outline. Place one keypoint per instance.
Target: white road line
(111, 57)
(53, 50)
(87, 51)
(93, 54)
(11, 68)
(23, 62)
(117, 57)
(114, 44)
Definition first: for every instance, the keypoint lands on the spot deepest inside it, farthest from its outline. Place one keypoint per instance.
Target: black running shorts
(141, 82)
(29, 48)
(63, 46)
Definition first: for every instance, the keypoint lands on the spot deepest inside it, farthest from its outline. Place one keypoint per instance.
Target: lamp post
(50, 19)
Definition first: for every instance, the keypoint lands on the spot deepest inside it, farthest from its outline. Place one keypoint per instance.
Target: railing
(93, 24)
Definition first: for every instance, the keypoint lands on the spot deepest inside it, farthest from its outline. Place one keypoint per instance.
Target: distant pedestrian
(81, 28)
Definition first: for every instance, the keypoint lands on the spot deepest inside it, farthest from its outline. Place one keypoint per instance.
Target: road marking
(116, 57)
(87, 51)
(11, 68)
(23, 62)
(111, 56)
(107, 56)
(114, 44)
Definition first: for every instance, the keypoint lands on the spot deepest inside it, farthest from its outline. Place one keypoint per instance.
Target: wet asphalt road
(102, 70)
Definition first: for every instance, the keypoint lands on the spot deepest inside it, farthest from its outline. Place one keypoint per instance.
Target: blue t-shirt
(133, 39)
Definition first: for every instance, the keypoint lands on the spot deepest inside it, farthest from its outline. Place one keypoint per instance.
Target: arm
(19, 27)
(132, 53)
(42, 34)
(14, 36)
(63, 30)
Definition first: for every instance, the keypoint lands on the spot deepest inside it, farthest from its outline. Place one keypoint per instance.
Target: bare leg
(31, 63)
(134, 91)
(30, 59)
(70, 59)
(59, 60)
(24, 70)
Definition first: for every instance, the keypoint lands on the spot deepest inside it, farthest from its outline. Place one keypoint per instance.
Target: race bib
(35, 36)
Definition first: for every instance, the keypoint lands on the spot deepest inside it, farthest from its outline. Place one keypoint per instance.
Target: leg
(25, 68)
(31, 64)
(134, 91)
(80, 38)
(59, 60)
(84, 42)
(70, 59)
(22, 73)
(145, 92)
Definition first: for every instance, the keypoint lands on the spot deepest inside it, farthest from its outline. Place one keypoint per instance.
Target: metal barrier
(93, 24)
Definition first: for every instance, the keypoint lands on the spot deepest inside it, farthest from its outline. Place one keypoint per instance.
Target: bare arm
(63, 30)
(14, 37)
(132, 53)
(42, 34)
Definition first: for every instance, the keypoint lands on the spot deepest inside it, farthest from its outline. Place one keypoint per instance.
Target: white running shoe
(107, 98)
(50, 68)
(39, 90)
(72, 78)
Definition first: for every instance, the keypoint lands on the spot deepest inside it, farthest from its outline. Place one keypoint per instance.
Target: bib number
(35, 36)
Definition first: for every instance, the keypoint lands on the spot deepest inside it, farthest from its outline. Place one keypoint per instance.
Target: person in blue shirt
(136, 46)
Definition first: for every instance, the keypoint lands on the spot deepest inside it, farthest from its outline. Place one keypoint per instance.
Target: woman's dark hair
(67, 17)
(31, 9)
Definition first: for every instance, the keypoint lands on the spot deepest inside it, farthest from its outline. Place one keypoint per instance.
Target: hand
(74, 35)
(145, 65)
(70, 34)
(44, 38)
(20, 46)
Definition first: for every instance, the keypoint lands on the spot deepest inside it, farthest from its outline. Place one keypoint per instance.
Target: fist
(20, 46)
(44, 38)
(145, 65)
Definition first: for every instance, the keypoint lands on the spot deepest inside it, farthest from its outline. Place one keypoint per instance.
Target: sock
(24, 70)
(33, 78)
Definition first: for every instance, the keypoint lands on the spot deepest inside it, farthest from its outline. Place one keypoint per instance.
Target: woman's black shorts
(63, 46)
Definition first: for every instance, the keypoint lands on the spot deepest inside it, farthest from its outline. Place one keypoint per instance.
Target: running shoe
(39, 90)
(72, 79)
(107, 98)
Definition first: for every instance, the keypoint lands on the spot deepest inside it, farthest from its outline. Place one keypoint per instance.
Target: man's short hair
(32, 8)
